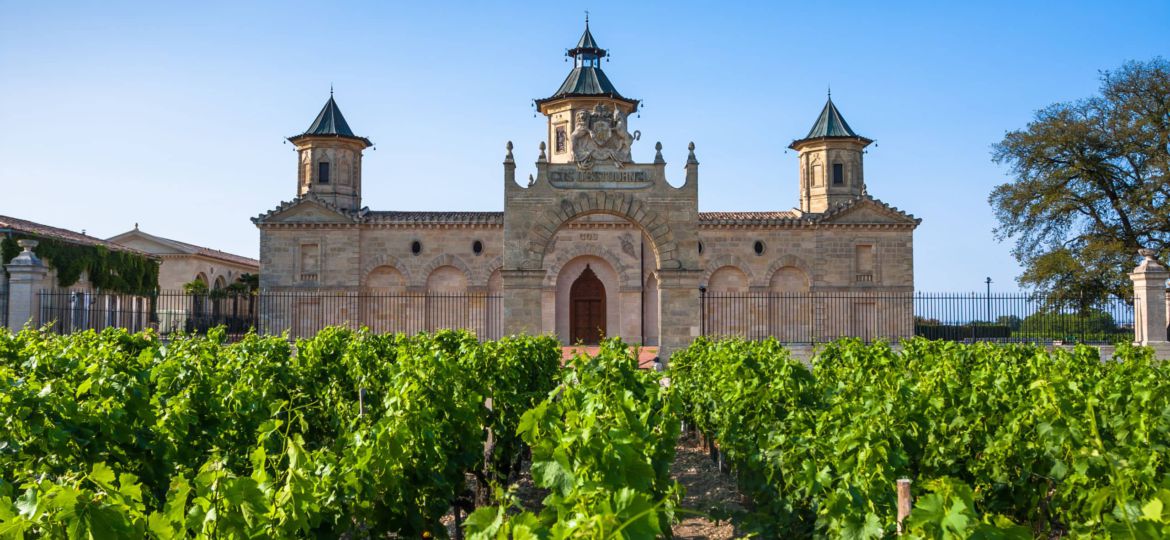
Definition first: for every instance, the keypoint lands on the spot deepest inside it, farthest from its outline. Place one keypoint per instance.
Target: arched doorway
(586, 308)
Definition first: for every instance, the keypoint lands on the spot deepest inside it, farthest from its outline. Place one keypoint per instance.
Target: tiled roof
(846, 206)
(11, 224)
(221, 255)
(192, 249)
(285, 205)
(467, 218)
(724, 217)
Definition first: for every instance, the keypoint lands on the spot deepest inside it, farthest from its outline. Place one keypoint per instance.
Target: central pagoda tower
(586, 94)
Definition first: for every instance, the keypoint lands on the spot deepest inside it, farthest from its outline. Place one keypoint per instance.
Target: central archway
(587, 308)
(665, 216)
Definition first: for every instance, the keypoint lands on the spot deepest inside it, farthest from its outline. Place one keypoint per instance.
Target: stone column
(1149, 300)
(26, 275)
(522, 301)
(679, 312)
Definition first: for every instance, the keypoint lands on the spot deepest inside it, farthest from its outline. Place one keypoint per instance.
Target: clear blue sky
(173, 114)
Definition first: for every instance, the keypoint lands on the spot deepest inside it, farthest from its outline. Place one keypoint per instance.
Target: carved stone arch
(626, 275)
(653, 225)
(445, 259)
(485, 271)
(787, 260)
(385, 260)
(727, 259)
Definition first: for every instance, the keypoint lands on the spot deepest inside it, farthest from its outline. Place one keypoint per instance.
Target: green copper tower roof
(587, 43)
(330, 123)
(587, 78)
(830, 124)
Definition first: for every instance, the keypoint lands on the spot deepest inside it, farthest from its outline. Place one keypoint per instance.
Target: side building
(71, 279)
(594, 244)
(182, 263)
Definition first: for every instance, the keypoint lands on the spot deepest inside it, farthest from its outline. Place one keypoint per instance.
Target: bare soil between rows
(708, 510)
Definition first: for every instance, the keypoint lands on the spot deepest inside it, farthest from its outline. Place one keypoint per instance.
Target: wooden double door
(587, 309)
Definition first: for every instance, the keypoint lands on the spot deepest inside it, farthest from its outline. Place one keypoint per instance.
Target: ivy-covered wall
(113, 271)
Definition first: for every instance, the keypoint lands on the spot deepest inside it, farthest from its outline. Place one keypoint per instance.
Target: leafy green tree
(1091, 186)
(195, 287)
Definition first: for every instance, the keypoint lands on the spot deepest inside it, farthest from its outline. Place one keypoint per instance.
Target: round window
(416, 247)
(477, 247)
(758, 247)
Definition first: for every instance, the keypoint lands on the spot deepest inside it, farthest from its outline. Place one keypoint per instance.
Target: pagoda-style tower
(330, 159)
(831, 170)
(585, 96)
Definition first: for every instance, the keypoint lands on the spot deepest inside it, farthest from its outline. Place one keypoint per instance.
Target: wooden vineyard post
(483, 493)
(904, 502)
(362, 402)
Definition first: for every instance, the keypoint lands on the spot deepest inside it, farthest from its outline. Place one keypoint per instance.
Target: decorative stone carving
(628, 245)
(601, 136)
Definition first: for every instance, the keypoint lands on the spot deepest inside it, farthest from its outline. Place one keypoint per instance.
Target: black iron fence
(792, 318)
(1007, 317)
(300, 313)
(305, 313)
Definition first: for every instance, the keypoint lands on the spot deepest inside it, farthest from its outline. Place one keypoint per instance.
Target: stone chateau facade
(594, 243)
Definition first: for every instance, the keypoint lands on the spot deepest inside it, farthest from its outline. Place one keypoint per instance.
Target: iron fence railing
(794, 318)
(300, 313)
(305, 313)
(817, 317)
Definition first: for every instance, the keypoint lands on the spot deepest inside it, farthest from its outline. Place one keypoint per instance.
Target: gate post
(1149, 300)
(680, 310)
(523, 310)
(26, 275)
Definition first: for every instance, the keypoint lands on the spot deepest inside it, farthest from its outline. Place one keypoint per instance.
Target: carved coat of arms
(601, 136)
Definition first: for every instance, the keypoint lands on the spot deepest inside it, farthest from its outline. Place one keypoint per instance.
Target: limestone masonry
(594, 244)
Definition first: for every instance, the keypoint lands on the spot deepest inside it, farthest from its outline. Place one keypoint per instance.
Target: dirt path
(708, 492)
(709, 495)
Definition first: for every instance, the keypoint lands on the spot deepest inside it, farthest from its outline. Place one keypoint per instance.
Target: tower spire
(831, 156)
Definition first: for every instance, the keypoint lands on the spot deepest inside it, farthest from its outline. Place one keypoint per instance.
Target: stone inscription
(588, 237)
(600, 179)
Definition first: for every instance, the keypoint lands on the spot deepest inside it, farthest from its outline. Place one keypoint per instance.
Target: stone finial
(1149, 263)
(531, 181)
(691, 159)
(26, 258)
(509, 156)
(658, 153)
(542, 157)
(1149, 299)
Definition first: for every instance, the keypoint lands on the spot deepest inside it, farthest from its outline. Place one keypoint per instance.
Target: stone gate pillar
(1149, 300)
(679, 310)
(522, 301)
(26, 276)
